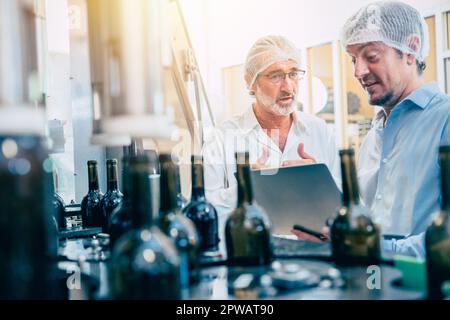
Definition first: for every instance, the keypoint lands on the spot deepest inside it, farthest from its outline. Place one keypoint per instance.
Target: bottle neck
(112, 186)
(93, 178)
(168, 189)
(125, 186)
(112, 177)
(198, 185)
(176, 170)
(245, 190)
(350, 191)
(139, 198)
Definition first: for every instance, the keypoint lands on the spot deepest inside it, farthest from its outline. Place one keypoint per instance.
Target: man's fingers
(257, 166)
(302, 154)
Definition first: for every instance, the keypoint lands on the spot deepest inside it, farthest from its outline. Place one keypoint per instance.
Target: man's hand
(307, 237)
(304, 158)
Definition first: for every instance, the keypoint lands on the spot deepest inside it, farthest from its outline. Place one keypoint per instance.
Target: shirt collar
(422, 96)
(249, 121)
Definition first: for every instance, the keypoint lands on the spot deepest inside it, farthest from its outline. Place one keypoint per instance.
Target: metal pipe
(126, 67)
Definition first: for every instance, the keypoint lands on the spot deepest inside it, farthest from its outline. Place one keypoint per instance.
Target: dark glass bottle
(355, 238)
(58, 211)
(201, 212)
(437, 236)
(248, 228)
(144, 263)
(178, 227)
(91, 210)
(120, 220)
(28, 240)
(113, 197)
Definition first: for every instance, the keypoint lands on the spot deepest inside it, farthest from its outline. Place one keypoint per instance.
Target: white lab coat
(245, 133)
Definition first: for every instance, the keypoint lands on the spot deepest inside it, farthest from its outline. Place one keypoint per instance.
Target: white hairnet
(267, 51)
(397, 24)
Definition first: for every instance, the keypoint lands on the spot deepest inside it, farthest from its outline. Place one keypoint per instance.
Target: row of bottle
(146, 264)
(154, 257)
(96, 208)
(355, 239)
(146, 257)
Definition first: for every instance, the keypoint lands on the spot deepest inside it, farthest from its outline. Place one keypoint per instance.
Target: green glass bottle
(201, 212)
(437, 236)
(91, 210)
(113, 197)
(355, 239)
(144, 263)
(178, 227)
(248, 228)
(28, 236)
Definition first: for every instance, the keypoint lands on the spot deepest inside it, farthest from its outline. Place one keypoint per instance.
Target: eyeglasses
(278, 77)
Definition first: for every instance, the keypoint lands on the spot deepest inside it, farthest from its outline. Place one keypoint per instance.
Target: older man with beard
(272, 130)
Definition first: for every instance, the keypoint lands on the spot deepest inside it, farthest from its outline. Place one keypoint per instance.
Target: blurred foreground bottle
(248, 228)
(144, 263)
(178, 227)
(28, 240)
(355, 238)
(437, 236)
(113, 197)
(201, 212)
(91, 210)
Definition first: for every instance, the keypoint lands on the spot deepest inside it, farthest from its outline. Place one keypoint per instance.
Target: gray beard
(282, 111)
(275, 107)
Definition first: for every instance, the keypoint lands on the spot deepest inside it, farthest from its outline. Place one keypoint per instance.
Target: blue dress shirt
(399, 170)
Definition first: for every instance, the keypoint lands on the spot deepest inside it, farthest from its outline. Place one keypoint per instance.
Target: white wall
(222, 31)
